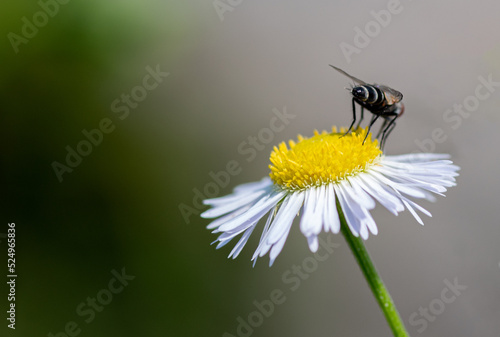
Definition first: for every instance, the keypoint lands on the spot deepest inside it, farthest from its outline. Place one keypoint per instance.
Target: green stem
(376, 284)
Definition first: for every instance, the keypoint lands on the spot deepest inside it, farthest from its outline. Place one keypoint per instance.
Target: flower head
(319, 174)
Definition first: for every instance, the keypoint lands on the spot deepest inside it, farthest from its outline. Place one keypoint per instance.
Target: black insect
(380, 100)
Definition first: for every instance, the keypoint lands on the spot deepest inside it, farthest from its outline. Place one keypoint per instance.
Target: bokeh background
(228, 69)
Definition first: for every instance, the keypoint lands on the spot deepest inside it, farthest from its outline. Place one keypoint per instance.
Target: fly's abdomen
(368, 94)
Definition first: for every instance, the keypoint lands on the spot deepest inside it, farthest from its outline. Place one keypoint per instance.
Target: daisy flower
(318, 177)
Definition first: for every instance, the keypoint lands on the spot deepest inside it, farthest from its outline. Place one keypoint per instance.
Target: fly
(380, 100)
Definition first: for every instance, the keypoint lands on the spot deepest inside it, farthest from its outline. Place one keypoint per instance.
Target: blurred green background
(228, 69)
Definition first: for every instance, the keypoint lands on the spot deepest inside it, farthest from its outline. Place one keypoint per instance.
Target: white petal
(400, 187)
(430, 197)
(370, 223)
(278, 246)
(313, 243)
(250, 187)
(384, 196)
(240, 191)
(256, 211)
(418, 157)
(363, 232)
(281, 225)
(312, 219)
(352, 221)
(412, 211)
(309, 205)
(263, 245)
(232, 205)
(270, 218)
(217, 222)
(319, 210)
(417, 206)
(420, 208)
(331, 217)
(426, 181)
(284, 218)
(361, 213)
(358, 193)
(239, 246)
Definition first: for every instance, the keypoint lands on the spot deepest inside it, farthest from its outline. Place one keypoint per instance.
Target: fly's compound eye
(360, 93)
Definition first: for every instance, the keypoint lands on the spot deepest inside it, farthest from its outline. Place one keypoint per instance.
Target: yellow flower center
(323, 159)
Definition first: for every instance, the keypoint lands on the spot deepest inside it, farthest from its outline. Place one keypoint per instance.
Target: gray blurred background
(230, 63)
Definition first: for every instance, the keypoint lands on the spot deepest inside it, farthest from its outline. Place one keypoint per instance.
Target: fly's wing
(346, 74)
(392, 96)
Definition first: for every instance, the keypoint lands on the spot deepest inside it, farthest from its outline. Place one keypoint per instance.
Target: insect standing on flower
(380, 100)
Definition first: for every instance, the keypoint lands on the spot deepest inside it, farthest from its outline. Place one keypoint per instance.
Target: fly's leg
(382, 128)
(353, 117)
(374, 119)
(387, 131)
(362, 110)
